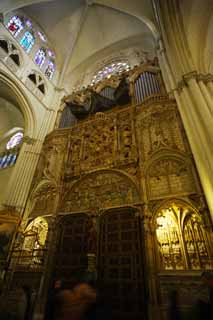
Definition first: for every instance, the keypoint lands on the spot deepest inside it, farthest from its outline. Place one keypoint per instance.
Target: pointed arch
(23, 103)
(182, 240)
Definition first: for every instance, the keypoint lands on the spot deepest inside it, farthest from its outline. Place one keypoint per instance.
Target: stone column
(198, 124)
(20, 181)
(206, 94)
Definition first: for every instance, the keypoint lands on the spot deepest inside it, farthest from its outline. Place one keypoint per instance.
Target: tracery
(109, 70)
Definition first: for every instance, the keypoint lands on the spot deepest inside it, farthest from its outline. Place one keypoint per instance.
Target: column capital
(29, 140)
(208, 77)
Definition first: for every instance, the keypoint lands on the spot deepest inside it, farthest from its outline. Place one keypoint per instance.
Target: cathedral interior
(106, 149)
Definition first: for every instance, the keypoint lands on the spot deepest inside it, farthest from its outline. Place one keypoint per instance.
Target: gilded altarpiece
(135, 162)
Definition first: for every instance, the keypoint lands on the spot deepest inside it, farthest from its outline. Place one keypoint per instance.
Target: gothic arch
(23, 102)
(182, 240)
(42, 199)
(12, 48)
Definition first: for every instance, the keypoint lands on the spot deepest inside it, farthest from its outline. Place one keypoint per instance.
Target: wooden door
(71, 254)
(120, 264)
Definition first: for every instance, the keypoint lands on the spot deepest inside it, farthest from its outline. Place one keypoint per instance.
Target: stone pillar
(150, 263)
(193, 101)
(20, 181)
(198, 124)
(206, 94)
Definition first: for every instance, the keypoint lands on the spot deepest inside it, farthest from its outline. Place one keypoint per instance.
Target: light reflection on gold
(181, 247)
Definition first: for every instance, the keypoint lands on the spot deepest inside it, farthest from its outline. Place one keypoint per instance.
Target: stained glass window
(14, 140)
(28, 23)
(27, 41)
(40, 57)
(51, 54)
(50, 70)
(42, 36)
(110, 70)
(15, 25)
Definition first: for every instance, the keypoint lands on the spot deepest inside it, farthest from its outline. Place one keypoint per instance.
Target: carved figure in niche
(158, 139)
(92, 236)
(51, 162)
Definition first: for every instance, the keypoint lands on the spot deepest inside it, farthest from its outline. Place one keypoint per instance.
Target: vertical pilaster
(150, 263)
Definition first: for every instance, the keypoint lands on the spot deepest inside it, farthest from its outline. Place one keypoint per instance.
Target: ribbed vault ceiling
(80, 29)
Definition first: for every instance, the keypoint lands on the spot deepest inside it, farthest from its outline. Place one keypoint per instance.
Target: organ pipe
(146, 85)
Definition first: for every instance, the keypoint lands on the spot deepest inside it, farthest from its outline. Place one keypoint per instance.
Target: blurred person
(74, 304)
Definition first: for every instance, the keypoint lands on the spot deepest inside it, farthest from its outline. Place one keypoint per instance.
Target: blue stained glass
(9, 158)
(4, 162)
(13, 161)
(27, 41)
(40, 57)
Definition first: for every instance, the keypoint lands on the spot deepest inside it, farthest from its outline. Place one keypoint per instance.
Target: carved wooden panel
(71, 255)
(120, 268)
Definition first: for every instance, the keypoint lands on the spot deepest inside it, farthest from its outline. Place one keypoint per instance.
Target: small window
(15, 25)
(14, 140)
(40, 57)
(50, 70)
(42, 36)
(27, 41)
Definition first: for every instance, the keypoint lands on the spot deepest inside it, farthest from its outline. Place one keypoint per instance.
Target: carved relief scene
(100, 190)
